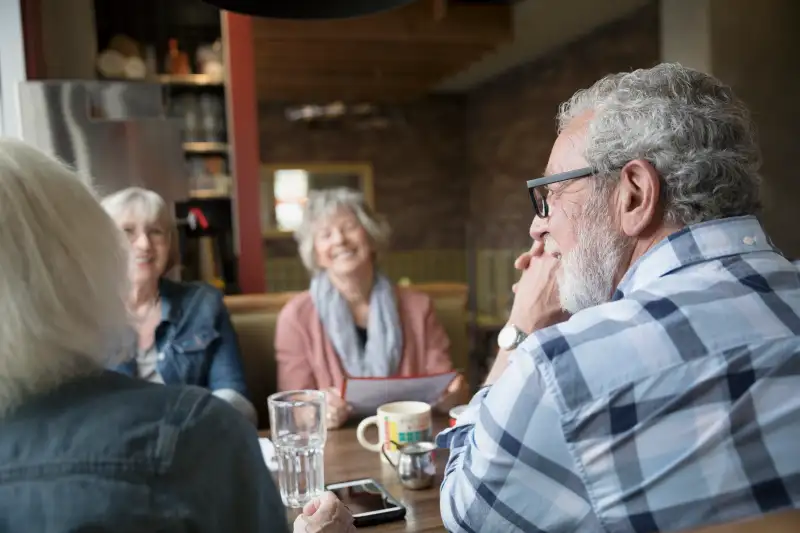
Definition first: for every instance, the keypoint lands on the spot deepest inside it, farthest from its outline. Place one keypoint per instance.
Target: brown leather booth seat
(254, 317)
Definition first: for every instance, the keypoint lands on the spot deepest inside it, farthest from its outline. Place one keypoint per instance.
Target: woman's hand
(457, 393)
(338, 409)
(325, 514)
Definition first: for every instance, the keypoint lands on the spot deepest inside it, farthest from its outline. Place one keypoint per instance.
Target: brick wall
(448, 164)
(418, 166)
(511, 121)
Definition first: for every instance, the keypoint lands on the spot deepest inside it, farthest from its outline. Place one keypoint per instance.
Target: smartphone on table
(368, 501)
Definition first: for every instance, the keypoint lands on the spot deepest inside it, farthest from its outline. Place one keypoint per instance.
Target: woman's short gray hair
(150, 208)
(63, 279)
(688, 125)
(321, 205)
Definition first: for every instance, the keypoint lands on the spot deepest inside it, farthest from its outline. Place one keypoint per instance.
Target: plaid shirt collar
(695, 244)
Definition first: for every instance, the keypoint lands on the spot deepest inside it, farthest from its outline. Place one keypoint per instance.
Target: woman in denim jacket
(82, 448)
(184, 332)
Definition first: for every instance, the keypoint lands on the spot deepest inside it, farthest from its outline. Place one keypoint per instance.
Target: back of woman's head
(62, 276)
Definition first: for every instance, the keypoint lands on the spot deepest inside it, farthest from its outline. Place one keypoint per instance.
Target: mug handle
(362, 440)
(386, 455)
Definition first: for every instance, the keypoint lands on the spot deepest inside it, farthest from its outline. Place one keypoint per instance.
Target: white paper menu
(365, 395)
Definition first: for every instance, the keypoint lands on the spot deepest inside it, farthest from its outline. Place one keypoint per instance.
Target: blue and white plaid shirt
(675, 405)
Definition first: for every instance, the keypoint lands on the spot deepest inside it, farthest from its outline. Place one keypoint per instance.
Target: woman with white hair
(82, 448)
(184, 332)
(352, 322)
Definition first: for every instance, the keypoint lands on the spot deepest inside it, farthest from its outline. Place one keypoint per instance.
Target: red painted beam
(32, 35)
(242, 106)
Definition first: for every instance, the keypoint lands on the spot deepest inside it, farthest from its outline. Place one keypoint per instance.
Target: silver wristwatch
(510, 337)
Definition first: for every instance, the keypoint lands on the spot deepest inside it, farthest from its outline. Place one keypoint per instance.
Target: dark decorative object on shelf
(206, 242)
(179, 43)
(308, 9)
(152, 23)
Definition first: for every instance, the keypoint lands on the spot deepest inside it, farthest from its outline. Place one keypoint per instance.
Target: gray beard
(587, 273)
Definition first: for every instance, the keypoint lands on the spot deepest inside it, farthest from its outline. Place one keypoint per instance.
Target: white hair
(322, 204)
(63, 277)
(688, 125)
(588, 273)
(147, 207)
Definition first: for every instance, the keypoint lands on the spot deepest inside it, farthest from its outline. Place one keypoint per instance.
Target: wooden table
(346, 459)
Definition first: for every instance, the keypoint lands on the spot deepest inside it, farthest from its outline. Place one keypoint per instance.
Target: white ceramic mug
(401, 422)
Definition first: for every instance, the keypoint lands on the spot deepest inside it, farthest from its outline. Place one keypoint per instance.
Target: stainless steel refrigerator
(117, 133)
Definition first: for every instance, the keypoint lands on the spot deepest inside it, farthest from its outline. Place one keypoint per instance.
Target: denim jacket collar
(170, 312)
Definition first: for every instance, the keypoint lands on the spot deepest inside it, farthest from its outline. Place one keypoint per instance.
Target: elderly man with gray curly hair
(648, 376)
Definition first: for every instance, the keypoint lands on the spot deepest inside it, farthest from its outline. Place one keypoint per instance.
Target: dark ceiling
(397, 54)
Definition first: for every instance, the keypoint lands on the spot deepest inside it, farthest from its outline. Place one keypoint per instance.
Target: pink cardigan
(307, 360)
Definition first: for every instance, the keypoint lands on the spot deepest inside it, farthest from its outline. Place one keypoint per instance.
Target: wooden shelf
(200, 193)
(197, 80)
(205, 148)
(185, 80)
(275, 234)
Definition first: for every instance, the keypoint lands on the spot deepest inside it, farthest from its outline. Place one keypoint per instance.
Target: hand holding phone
(325, 514)
(368, 501)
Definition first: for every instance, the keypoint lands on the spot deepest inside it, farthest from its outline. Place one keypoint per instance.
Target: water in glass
(297, 423)
(301, 471)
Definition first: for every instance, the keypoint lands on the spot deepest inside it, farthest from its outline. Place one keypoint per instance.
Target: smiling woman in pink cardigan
(353, 321)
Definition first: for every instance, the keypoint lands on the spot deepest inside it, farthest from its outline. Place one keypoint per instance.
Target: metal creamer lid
(414, 448)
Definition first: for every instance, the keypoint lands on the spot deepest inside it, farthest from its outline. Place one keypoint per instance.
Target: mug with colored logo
(400, 422)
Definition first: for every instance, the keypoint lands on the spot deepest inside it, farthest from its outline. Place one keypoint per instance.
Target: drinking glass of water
(297, 424)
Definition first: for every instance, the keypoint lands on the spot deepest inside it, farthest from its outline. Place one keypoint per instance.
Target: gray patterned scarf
(381, 355)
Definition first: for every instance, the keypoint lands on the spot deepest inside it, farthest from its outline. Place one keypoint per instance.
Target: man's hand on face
(536, 303)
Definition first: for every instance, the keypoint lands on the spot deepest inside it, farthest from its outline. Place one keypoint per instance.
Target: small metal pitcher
(415, 466)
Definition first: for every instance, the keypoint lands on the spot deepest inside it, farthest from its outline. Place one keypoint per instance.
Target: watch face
(507, 337)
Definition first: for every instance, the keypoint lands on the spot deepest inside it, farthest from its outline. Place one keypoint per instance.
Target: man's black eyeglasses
(537, 188)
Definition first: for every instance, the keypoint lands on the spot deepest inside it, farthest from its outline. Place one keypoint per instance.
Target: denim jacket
(106, 453)
(197, 344)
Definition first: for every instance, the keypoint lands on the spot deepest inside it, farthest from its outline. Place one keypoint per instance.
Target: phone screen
(363, 497)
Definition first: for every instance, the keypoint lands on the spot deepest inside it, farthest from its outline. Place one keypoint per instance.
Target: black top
(362, 336)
